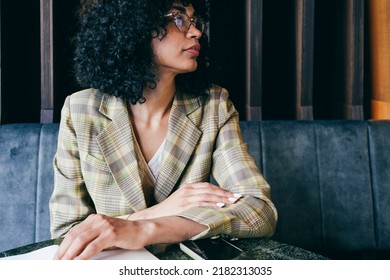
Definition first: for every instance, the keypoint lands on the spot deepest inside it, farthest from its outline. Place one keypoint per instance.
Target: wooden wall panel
(328, 59)
(354, 60)
(379, 11)
(301, 59)
(254, 11)
(304, 43)
(47, 75)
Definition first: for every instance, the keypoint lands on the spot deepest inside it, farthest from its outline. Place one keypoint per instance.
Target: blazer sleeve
(254, 215)
(70, 202)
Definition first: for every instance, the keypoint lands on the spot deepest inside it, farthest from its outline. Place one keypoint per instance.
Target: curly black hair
(113, 47)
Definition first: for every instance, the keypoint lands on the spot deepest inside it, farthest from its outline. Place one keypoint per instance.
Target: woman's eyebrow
(181, 9)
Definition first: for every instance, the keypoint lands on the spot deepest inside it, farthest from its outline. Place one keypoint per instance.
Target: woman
(137, 148)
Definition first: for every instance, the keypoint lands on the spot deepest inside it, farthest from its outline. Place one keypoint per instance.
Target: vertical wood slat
(47, 94)
(379, 11)
(354, 64)
(254, 11)
(304, 43)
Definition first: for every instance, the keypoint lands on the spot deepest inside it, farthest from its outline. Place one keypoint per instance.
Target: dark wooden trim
(304, 43)
(354, 60)
(47, 94)
(254, 58)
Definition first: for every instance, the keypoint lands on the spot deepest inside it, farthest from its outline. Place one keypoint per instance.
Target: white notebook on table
(47, 253)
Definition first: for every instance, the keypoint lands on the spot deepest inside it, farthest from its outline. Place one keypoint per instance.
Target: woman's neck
(158, 101)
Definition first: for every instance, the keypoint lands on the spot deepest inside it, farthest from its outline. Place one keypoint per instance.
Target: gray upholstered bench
(330, 181)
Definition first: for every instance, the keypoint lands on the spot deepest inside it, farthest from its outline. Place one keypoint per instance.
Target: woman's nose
(193, 32)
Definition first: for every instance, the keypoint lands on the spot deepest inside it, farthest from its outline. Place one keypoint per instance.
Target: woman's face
(177, 52)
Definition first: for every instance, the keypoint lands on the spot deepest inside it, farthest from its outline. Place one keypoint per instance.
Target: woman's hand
(97, 233)
(187, 196)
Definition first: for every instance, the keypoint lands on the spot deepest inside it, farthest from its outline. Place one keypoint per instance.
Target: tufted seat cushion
(330, 182)
(26, 182)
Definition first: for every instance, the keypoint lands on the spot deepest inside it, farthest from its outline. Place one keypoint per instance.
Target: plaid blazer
(96, 169)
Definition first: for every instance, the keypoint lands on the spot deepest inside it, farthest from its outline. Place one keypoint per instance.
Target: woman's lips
(195, 50)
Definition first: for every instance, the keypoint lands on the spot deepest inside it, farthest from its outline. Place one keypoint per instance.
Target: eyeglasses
(183, 22)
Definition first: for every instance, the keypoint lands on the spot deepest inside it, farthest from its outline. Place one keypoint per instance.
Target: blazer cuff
(217, 222)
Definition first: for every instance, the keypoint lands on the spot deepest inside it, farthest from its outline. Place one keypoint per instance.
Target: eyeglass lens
(183, 22)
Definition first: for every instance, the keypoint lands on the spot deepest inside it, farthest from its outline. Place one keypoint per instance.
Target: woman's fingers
(208, 193)
(187, 196)
(93, 235)
(94, 247)
(76, 240)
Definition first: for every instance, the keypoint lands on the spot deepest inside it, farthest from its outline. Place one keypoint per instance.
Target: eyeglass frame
(192, 20)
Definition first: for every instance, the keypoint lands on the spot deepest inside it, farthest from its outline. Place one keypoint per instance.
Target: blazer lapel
(183, 136)
(116, 144)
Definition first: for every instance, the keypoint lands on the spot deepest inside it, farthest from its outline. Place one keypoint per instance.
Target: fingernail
(237, 195)
(232, 199)
(220, 204)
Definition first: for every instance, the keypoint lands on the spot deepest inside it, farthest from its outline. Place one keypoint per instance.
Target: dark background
(20, 57)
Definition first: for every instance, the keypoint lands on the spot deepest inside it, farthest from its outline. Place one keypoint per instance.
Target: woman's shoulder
(218, 97)
(91, 99)
(217, 105)
(86, 96)
(87, 102)
(91, 108)
(217, 92)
